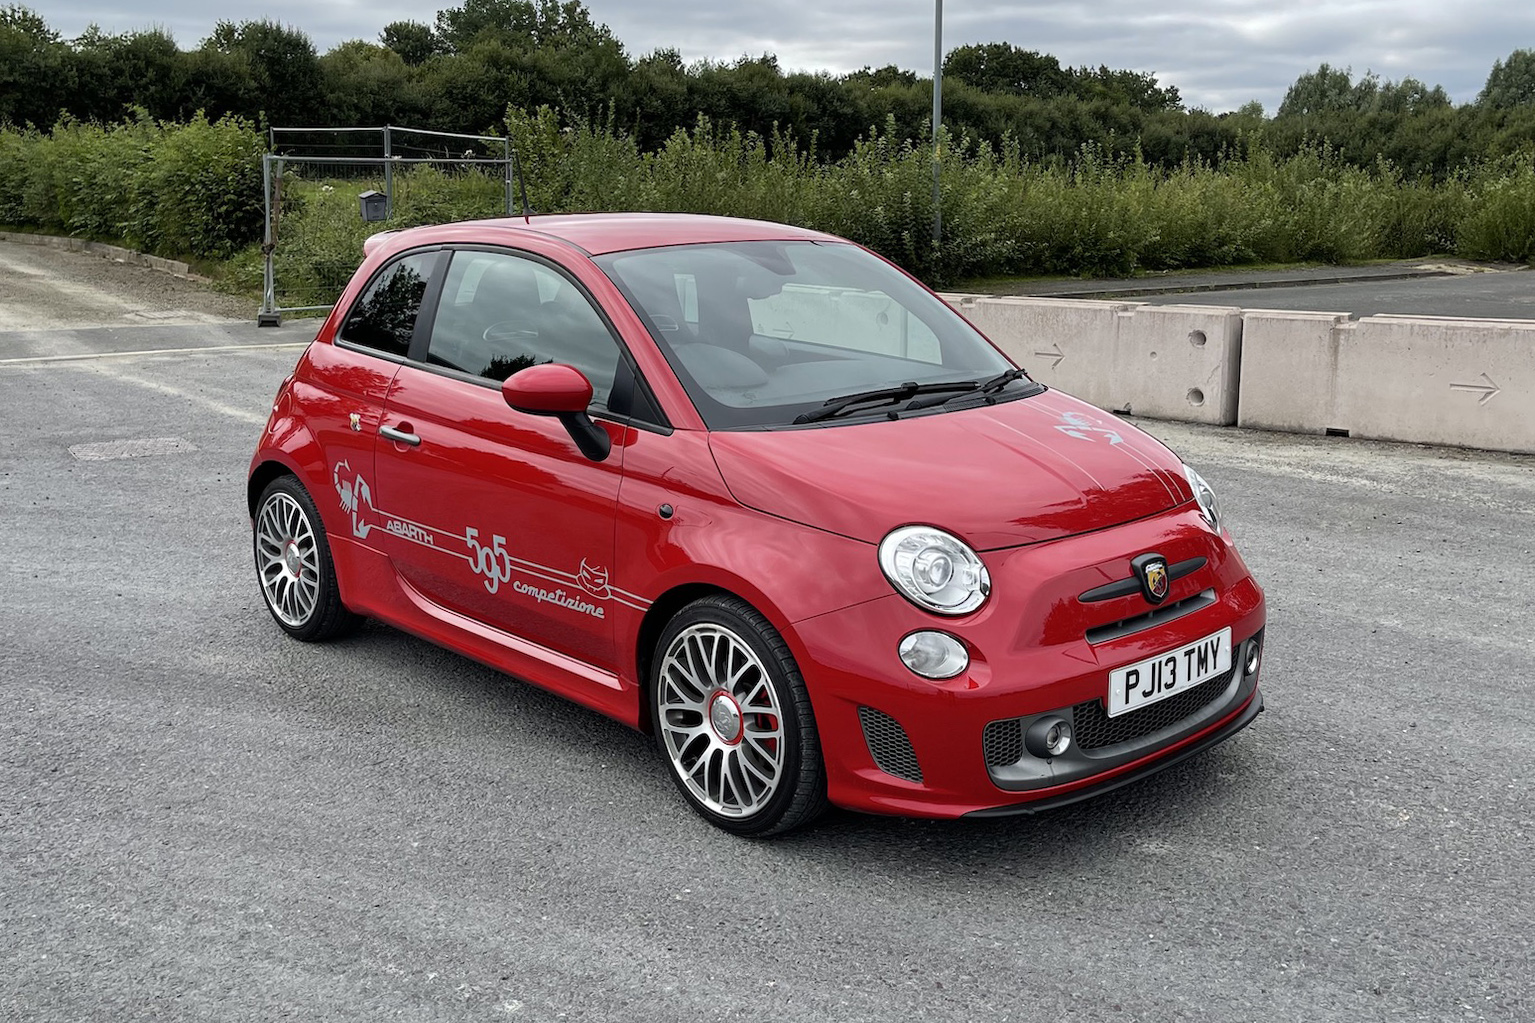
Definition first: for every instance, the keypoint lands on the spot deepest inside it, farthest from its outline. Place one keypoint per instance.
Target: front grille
(888, 744)
(1003, 742)
(1092, 728)
(1151, 619)
(1132, 586)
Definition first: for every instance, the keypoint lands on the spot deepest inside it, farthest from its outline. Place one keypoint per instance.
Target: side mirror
(553, 389)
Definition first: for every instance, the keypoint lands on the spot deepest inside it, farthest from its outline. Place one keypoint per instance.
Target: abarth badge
(1151, 569)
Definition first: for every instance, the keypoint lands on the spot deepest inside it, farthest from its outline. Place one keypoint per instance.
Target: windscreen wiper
(885, 395)
(975, 388)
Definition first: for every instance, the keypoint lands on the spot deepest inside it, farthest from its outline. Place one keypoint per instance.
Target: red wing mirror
(561, 391)
(547, 390)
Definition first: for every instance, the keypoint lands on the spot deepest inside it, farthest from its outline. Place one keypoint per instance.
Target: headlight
(1206, 498)
(934, 570)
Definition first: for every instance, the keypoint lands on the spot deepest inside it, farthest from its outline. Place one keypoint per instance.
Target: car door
(498, 515)
(346, 384)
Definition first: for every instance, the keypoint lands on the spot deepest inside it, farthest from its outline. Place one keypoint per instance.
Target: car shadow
(1194, 797)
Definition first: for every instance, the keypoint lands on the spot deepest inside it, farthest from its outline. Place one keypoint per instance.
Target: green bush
(1098, 215)
(1499, 222)
(195, 188)
(175, 189)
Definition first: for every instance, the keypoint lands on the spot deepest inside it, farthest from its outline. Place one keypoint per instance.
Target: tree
(1134, 89)
(1511, 83)
(521, 22)
(36, 73)
(469, 92)
(220, 83)
(1004, 68)
(1410, 96)
(284, 69)
(1325, 90)
(459, 27)
(750, 93)
(881, 78)
(657, 97)
(136, 69)
(370, 85)
(414, 42)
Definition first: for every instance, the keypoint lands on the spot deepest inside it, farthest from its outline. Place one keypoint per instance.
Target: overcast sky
(1219, 53)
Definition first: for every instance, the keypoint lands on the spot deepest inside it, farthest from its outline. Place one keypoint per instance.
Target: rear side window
(384, 317)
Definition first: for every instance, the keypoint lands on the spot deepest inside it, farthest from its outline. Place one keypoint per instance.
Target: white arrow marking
(1488, 391)
(1056, 355)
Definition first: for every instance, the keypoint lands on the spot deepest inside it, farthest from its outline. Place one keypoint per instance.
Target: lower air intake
(1094, 729)
(888, 744)
(1003, 742)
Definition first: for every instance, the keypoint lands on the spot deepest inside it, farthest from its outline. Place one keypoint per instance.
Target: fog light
(935, 655)
(1048, 737)
(1253, 658)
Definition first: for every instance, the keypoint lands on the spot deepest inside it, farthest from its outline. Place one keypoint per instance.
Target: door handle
(400, 436)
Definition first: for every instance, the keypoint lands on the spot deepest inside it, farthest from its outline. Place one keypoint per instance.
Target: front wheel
(734, 722)
(294, 566)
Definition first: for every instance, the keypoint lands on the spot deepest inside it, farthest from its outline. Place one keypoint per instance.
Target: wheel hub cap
(725, 717)
(293, 560)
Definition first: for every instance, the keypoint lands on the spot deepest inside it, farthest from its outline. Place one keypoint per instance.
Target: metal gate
(314, 178)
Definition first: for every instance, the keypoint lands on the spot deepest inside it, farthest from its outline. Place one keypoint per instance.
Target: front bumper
(897, 744)
(1214, 737)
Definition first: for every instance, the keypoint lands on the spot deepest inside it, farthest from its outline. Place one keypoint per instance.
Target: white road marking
(245, 416)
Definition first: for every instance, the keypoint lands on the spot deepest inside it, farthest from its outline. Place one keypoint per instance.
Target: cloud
(1219, 53)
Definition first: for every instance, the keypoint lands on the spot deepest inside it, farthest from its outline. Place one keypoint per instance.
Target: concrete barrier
(174, 267)
(1428, 380)
(1289, 378)
(1421, 379)
(1165, 362)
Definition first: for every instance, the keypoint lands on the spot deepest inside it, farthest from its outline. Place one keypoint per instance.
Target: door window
(501, 313)
(384, 318)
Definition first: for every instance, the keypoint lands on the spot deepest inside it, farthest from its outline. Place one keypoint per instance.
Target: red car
(758, 492)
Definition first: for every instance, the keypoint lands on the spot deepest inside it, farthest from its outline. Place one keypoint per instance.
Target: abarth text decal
(492, 561)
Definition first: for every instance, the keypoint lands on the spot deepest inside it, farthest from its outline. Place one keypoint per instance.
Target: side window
(501, 313)
(868, 321)
(384, 317)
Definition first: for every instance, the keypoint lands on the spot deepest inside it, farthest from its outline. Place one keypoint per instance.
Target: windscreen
(761, 332)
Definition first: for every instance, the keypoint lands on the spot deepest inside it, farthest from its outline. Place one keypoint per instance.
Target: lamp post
(937, 118)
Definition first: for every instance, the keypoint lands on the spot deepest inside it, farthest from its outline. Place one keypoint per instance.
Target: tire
(733, 721)
(294, 567)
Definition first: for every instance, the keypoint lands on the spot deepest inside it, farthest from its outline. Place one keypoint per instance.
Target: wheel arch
(666, 606)
(288, 449)
(261, 477)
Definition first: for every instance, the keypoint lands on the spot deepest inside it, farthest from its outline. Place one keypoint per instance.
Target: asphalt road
(1497, 295)
(1454, 287)
(201, 819)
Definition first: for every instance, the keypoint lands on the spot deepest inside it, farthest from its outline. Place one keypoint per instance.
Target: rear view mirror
(553, 389)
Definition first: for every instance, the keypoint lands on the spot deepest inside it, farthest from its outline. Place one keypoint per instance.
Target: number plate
(1137, 685)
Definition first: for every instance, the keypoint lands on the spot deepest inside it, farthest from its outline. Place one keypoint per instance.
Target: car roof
(599, 233)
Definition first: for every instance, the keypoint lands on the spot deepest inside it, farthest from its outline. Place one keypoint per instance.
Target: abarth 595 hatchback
(756, 491)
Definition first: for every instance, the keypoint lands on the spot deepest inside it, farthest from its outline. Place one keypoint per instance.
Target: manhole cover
(106, 450)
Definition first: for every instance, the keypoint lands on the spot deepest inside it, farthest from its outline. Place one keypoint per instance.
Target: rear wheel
(294, 566)
(734, 722)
